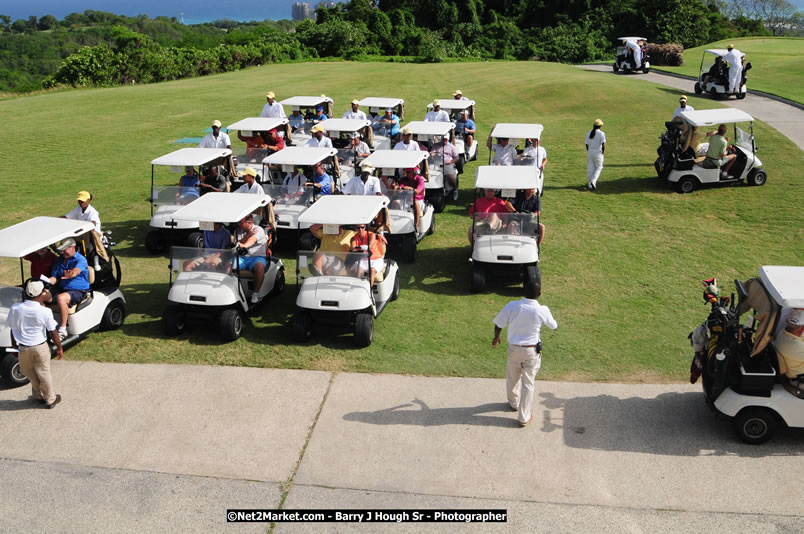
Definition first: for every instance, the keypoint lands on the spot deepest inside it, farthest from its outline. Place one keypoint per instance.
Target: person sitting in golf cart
(357, 150)
(41, 262)
(504, 153)
(717, 72)
(320, 180)
(296, 119)
(255, 145)
(534, 154)
(437, 114)
(490, 205)
(295, 182)
(319, 139)
(407, 142)
(465, 126)
(413, 181)
(70, 280)
(319, 115)
(188, 186)
(251, 242)
(442, 146)
(331, 255)
(217, 239)
(364, 184)
(388, 124)
(355, 112)
(250, 184)
(789, 344)
(526, 201)
(213, 181)
(365, 240)
(273, 142)
(718, 155)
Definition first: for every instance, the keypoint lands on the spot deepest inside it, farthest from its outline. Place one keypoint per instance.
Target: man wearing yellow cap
(437, 114)
(216, 139)
(319, 139)
(458, 95)
(272, 108)
(355, 112)
(250, 185)
(85, 212)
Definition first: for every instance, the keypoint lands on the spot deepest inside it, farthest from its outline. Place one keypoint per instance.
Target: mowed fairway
(621, 268)
(777, 64)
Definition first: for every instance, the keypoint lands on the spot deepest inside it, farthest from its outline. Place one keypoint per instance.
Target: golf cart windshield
(173, 195)
(743, 139)
(400, 200)
(201, 260)
(289, 195)
(505, 224)
(321, 263)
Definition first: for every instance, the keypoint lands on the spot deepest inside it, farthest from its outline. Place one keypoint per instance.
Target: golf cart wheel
(10, 369)
(740, 95)
(279, 283)
(478, 284)
(757, 177)
(532, 274)
(755, 425)
(154, 242)
(713, 93)
(174, 321)
(461, 162)
(364, 329)
(615, 67)
(438, 201)
(231, 323)
(308, 241)
(408, 246)
(395, 291)
(698, 88)
(195, 240)
(687, 184)
(302, 325)
(431, 229)
(114, 315)
(645, 70)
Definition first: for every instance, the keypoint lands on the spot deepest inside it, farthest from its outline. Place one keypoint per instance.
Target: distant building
(326, 4)
(302, 10)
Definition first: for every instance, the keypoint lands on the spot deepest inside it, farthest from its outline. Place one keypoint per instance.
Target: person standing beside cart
(30, 321)
(595, 148)
(735, 61)
(524, 319)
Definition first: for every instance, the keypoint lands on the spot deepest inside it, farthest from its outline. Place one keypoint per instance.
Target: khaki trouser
(523, 364)
(35, 365)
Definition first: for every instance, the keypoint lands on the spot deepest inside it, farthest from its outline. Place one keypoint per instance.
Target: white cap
(34, 288)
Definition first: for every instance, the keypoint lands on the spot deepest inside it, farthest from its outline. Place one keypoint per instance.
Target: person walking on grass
(30, 321)
(524, 319)
(595, 148)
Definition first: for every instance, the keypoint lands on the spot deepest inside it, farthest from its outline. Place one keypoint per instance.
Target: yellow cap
(317, 128)
(457, 92)
(356, 101)
(436, 103)
(216, 123)
(269, 94)
(683, 98)
(83, 196)
(406, 130)
(250, 172)
(598, 122)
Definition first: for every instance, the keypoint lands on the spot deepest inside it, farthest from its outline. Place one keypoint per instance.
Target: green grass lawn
(621, 268)
(777, 64)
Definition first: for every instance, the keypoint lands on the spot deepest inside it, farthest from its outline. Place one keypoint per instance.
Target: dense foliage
(98, 48)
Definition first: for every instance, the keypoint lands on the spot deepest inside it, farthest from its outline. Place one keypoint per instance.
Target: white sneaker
(455, 194)
(62, 332)
(255, 298)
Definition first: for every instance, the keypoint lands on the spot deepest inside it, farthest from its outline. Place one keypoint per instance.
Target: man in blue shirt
(466, 127)
(70, 280)
(389, 122)
(321, 180)
(219, 238)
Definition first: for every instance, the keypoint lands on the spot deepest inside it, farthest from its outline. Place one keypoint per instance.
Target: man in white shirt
(29, 321)
(252, 239)
(637, 50)
(407, 142)
(364, 184)
(537, 153)
(319, 139)
(524, 319)
(682, 107)
(272, 108)
(250, 184)
(85, 212)
(355, 112)
(216, 139)
(438, 114)
(504, 153)
(735, 61)
(458, 95)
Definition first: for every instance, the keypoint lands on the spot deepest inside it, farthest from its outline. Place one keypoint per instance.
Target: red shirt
(484, 205)
(41, 264)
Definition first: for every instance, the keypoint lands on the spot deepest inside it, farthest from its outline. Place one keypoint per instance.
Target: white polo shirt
(210, 141)
(359, 114)
(325, 142)
(679, 110)
(355, 186)
(437, 116)
(539, 154)
(273, 110)
(524, 319)
(596, 143)
(29, 322)
(254, 189)
(91, 215)
(413, 146)
(504, 155)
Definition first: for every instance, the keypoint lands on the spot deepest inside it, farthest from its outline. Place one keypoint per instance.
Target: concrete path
(788, 119)
(138, 448)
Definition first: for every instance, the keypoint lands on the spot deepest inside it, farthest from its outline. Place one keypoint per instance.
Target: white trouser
(735, 75)
(594, 164)
(523, 364)
(637, 57)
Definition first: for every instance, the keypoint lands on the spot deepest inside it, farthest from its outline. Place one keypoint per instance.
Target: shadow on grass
(675, 424)
(418, 413)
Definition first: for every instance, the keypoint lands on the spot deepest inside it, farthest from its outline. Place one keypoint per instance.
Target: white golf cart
(687, 171)
(293, 198)
(340, 293)
(104, 306)
(505, 243)
(745, 377)
(405, 233)
(377, 106)
(437, 189)
(517, 133)
(307, 106)
(166, 200)
(454, 108)
(625, 57)
(208, 286)
(716, 83)
(341, 131)
(256, 126)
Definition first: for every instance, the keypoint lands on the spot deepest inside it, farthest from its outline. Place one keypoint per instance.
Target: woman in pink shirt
(488, 204)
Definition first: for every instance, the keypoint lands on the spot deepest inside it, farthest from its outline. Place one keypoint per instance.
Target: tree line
(96, 48)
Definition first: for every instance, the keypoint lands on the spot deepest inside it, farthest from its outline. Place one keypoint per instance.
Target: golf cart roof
(429, 128)
(717, 51)
(40, 232)
(712, 117)
(624, 39)
(344, 125)
(344, 209)
(785, 284)
(506, 177)
(513, 130)
(191, 156)
(452, 104)
(258, 124)
(396, 159)
(299, 155)
(381, 102)
(306, 101)
(221, 207)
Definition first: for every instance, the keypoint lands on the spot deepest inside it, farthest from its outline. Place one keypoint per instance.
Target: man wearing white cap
(437, 114)
(272, 108)
(29, 321)
(216, 139)
(735, 59)
(355, 112)
(364, 184)
(70, 275)
(319, 139)
(407, 142)
(682, 107)
(389, 122)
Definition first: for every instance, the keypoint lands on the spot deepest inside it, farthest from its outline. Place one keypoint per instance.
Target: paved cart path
(137, 448)
(786, 118)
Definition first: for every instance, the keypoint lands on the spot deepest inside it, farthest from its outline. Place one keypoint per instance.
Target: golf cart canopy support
(344, 209)
(712, 117)
(221, 207)
(40, 232)
(506, 177)
(512, 130)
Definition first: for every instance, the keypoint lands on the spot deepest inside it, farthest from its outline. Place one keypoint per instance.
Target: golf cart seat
(380, 276)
